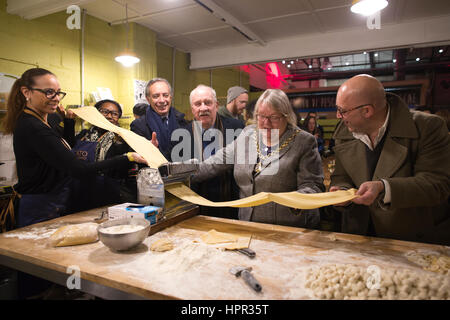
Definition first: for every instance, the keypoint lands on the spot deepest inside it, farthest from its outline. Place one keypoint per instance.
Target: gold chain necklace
(262, 157)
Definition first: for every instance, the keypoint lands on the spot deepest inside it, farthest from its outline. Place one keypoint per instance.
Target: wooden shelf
(323, 99)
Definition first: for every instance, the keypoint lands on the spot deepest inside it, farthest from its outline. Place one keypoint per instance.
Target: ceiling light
(127, 58)
(288, 65)
(368, 7)
(375, 55)
(441, 50)
(347, 63)
(292, 62)
(365, 52)
(394, 60)
(310, 66)
(417, 59)
(284, 61)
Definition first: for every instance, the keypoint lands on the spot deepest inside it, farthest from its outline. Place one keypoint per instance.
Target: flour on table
(430, 261)
(35, 233)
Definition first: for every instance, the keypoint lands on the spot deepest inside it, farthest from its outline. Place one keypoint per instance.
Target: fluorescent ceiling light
(368, 7)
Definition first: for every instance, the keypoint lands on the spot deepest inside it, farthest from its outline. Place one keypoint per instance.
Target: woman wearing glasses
(45, 162)
(273, 155)
(97, 144)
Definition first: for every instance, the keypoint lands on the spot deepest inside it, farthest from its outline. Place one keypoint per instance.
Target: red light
(273, 76)
(245, 68)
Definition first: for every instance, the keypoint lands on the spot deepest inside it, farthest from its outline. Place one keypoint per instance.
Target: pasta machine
(151, 184)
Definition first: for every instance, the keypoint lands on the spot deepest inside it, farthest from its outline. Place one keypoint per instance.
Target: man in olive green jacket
(399, 160)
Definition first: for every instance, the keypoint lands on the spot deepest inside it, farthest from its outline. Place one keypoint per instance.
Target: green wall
(47, 42)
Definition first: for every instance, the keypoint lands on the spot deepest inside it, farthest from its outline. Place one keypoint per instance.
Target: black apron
(94, 191)
(34, 208)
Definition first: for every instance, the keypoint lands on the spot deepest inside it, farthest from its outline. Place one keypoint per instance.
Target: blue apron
(94, 191)
(34, 208)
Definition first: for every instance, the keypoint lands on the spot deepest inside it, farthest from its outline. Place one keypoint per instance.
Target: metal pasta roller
(151, 183)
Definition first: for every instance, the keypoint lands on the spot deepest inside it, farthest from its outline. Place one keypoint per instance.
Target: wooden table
(193, 270)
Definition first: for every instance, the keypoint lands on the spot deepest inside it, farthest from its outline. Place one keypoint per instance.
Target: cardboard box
(134, 210)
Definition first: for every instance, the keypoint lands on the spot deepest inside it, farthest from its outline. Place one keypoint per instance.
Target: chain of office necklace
(262, 157)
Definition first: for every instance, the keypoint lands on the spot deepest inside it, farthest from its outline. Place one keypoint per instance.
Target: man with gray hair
(237, 99)
(209, 134)
(161, 118)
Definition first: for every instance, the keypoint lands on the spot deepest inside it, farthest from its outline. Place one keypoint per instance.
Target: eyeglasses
(342, 112)
(105, 112)
(272, 119)
(207, 103)
(50, 93)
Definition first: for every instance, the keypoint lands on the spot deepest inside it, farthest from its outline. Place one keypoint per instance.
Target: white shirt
(366, 140)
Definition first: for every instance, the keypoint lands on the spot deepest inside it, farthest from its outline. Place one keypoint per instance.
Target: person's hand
(368, 192)
(61, 111)
(70, 114)
(342, 204)
(154, 140)
(65, 113)
(138, 158)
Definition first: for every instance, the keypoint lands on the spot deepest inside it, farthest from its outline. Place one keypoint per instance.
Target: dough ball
(162, 245)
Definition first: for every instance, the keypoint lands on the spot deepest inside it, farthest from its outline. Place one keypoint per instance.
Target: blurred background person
(249, 112)
(139, 110)
(237, 99)
(310, 126)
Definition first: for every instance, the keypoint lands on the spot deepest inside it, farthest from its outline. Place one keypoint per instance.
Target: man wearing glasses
(399, 161)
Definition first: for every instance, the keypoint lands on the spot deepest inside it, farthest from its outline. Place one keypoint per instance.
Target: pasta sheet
(155, 159)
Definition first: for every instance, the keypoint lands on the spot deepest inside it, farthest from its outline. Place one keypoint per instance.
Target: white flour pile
(125, 228)
(194, 270)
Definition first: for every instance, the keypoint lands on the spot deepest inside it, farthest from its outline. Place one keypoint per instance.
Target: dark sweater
(43, 161)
